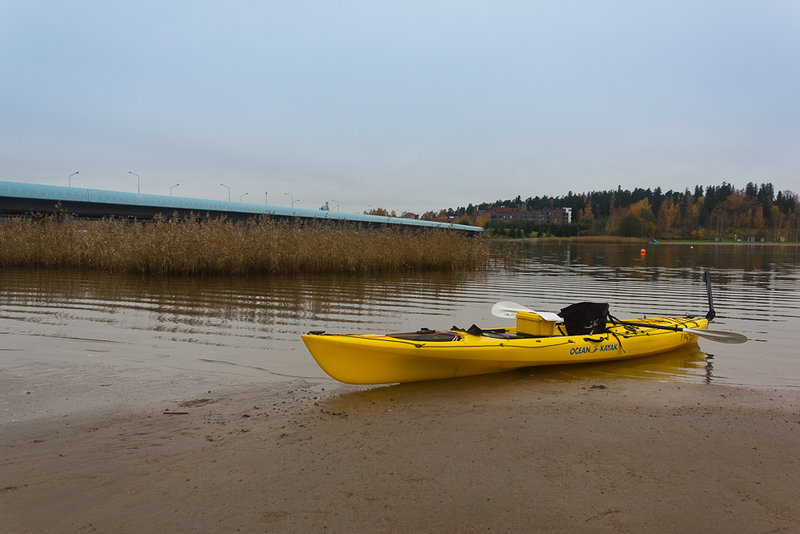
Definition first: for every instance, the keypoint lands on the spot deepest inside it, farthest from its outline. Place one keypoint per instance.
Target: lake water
(106, 330)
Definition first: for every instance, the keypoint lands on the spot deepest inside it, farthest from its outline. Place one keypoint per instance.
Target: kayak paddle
(719, 336)
(508, 310)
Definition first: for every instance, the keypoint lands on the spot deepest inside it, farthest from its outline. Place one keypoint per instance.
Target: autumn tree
(586, 214)
(667, 216)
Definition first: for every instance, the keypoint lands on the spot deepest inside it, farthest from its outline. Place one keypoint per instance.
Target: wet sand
(504, 453)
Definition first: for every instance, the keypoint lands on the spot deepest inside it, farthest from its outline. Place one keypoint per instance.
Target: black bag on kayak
(585, 318)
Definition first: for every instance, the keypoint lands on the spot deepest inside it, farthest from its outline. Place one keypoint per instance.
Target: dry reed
(220, 247)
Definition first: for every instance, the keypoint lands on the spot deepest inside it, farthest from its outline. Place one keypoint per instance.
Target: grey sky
(405, 105)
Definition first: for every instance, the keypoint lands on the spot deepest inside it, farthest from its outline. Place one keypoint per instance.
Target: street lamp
(69, 180)
(138, 182)
(242, 196)
(172, 187)
(266, 198)
(291, 196)
(229, 191)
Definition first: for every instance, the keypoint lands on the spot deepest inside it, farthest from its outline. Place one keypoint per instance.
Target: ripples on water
(250, 327)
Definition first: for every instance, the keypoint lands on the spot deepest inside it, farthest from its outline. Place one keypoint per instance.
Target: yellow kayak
(430, 355)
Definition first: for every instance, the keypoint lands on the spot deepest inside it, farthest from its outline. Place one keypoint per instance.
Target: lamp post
(229, 191)
(138, 182)
(172, 187)
(266, 198)
(242, 196)
(291, 196)
(69, 180)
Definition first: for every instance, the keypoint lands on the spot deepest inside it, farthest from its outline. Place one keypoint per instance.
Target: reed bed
(222, 247)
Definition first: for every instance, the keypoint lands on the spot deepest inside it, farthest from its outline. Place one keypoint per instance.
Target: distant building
(545, 216)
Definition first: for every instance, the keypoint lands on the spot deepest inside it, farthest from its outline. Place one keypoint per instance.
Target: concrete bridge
(25, 199)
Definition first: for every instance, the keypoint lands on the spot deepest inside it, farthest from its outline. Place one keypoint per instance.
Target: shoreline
(511, 452)
(631, 240)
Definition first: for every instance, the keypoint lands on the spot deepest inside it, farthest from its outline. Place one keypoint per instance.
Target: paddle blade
(718, 335)
(508, 310)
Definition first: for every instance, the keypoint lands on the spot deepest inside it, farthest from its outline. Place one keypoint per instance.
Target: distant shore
(634, 240)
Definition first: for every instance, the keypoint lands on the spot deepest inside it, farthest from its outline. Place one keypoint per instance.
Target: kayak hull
(385, 359)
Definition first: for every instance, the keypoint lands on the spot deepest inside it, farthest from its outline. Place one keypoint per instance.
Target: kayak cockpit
(456, 333)
(426, 334)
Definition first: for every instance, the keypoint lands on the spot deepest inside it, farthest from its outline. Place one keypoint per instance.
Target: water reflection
(676, 365)
(678, 257)
(254, 323)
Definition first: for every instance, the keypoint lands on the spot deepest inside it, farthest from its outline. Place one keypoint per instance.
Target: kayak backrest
(585, 318)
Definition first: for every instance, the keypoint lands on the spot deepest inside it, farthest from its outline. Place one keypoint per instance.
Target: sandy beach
(486, 454)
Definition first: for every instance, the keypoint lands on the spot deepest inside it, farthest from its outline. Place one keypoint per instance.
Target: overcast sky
(406, 105)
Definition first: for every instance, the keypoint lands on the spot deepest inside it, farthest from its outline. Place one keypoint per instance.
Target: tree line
(755, 212)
